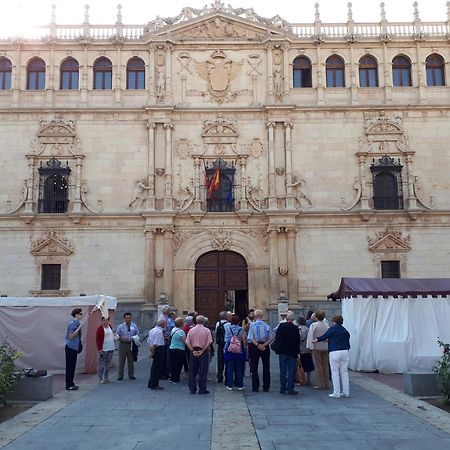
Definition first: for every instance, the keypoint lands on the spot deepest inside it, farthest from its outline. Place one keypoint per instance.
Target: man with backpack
(220, 341)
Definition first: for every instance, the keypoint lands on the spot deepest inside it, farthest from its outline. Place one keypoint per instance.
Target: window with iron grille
(390, 269)
(53, 187)
(387, 183)
(50, 277)
(219, 186)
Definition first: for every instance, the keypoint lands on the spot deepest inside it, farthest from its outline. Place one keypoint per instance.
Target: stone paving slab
(134, 417)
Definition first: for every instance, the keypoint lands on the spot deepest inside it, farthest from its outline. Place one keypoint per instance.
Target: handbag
(80, 347)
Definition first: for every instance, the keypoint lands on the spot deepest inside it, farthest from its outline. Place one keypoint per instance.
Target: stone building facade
(222, 159)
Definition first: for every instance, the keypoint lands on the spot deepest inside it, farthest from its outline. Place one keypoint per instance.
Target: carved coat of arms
(218, 71)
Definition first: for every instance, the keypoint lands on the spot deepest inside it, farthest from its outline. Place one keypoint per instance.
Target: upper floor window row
(368, 71)
(70, 74)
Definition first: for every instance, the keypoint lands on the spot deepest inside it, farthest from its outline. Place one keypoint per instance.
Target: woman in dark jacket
(338, 347)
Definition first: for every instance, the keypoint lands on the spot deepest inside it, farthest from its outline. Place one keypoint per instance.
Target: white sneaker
(333, 395)
(240, 389)
(345, 395)
(229, 388)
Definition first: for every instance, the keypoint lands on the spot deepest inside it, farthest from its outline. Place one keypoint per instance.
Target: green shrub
(9, 375)
(442, 371)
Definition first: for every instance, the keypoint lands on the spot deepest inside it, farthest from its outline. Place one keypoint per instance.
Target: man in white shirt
(157, 349)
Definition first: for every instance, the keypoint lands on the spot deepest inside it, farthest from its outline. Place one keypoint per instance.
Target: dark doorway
(221, 283)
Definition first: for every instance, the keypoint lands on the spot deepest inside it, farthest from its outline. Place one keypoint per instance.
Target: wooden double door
(221, 283)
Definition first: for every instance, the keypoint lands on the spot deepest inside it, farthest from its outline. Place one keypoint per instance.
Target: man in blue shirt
(259, 338)
(126, 331)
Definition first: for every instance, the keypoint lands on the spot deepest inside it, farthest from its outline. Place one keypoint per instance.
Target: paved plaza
(127, 415)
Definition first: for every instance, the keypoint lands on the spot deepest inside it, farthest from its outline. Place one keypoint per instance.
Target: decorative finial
(119, 13)
(317, 13)
(53, 17)
(349, 12)
(383, 12)
(416, 11)
(86, 14)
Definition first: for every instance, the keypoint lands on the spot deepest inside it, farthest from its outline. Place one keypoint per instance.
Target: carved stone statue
(277, 83)
(187, 197)
(299, 195)
(140, 195)
(160, 82)
(255, 196)
(358, 189)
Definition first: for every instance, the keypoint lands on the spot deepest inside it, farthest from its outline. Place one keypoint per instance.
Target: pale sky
(20, 15)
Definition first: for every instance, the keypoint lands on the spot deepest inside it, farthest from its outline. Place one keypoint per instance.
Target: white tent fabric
(395, 335)
(37, 327)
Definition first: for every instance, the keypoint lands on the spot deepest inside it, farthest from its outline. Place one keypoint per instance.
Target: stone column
(16, 76)
(292, 264)
(273, 261)
(151, 165)
(84, 76)
(412, 200)
(77, 197)
(243, 201)
(168, 166)
(362, 180)
(149, 266)
(118, 75)
(421, 68)
(168, 262)
(286, 70)
(353, 77)
(50, 77)
(271, 162)
(320, 90)
(270, 98)
(387, 76)
(290, 201)
(169, 95)
(197, 201)
(30, 186)
(151, 75)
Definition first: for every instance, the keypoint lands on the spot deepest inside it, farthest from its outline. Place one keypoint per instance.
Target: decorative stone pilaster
(151, 165)
(168, 126)
(168, 261)
(273, 264)
(271, 157)
(292, 263)
(149, 265)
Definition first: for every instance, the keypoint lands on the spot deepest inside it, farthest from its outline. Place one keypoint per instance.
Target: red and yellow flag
(215, 183)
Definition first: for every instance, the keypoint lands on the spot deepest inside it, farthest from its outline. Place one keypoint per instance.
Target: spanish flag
(215, 183)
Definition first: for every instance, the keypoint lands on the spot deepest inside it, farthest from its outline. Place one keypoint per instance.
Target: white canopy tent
(395, 324)
(37, 327)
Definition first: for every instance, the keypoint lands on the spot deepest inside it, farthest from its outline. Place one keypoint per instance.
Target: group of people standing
(302, 346)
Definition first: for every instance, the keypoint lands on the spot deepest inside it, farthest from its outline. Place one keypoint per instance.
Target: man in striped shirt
(259, 338)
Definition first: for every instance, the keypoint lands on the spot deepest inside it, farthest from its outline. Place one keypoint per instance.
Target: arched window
(435, 70)
(135, 74)
(302, 72)
(53, 187)
(5, 74)
(368, 71)
(102, 73)
(401, 71)
(387, 183)
(335, 71)
(36, 74)
(69, 74)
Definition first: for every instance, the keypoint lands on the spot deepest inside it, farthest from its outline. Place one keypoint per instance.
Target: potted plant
(442, 371)
(9, 375)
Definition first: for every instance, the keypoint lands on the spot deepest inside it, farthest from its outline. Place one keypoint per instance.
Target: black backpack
(220, 335)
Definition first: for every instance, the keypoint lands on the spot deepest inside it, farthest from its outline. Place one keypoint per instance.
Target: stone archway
(221, 282)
